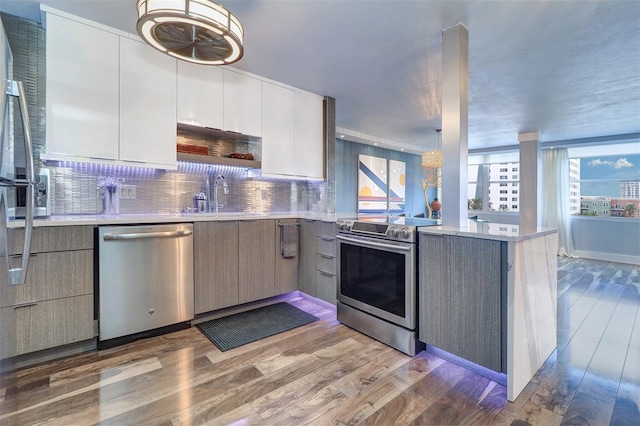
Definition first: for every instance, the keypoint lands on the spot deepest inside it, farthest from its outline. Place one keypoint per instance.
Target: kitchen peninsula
(488, 294)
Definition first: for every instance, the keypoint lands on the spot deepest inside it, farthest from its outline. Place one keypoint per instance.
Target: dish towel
(288, 239)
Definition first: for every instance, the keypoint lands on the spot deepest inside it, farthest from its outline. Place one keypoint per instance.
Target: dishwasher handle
(141, 235)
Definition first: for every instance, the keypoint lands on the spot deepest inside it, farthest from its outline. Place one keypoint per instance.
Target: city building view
(607, 186)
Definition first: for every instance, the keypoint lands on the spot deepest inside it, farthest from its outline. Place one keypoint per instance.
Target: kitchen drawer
(45, 325)
(52, 275)
(326, 263)
(326, 286)
(325, 229)
(327, 245)
(54, 238)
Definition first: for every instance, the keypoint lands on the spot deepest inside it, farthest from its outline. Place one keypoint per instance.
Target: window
(602, 184)
(489, 186)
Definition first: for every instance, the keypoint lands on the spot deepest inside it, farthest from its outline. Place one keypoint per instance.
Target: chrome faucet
(207, 190)
(225, 189)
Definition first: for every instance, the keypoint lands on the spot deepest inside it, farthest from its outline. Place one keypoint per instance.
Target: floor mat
(246, 327)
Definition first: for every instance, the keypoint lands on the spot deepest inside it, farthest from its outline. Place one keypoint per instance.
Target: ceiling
(567, 69)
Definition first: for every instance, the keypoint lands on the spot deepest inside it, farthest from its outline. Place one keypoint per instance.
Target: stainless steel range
(377, 278)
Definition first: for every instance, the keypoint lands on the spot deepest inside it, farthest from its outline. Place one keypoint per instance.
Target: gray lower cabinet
(55, 305)
(462, 297)
(238, 262)
(257, 248)
(307, 263)
(318, 260)
(286, 267)
(216, 265)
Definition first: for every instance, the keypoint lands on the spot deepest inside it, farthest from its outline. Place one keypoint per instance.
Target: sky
(617, 167)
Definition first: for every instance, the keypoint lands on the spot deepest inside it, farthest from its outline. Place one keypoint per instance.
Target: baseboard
(609, 257)
(224, 312)
(47, 355)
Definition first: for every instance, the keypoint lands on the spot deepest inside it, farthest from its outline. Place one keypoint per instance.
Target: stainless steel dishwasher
(145, 278)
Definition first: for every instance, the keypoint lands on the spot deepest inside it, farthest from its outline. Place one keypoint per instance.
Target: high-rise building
(504, 191)
(574, 186)
(630, 189)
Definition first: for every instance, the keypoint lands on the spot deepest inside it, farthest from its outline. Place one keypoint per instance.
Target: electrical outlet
(128, 192)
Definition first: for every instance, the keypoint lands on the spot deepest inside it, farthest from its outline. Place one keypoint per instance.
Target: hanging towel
(289, 239)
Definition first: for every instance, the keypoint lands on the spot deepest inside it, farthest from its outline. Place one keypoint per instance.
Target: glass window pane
(474, 173)
(475, 196)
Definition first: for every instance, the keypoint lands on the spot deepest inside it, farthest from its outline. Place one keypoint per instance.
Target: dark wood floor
(325, 373)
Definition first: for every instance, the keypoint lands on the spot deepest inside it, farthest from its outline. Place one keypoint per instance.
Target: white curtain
(555, 197)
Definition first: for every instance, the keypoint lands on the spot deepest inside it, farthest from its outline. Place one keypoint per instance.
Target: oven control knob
(404, 233)
(393, 232)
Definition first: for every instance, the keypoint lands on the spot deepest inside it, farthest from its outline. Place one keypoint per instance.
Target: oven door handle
(373, 244)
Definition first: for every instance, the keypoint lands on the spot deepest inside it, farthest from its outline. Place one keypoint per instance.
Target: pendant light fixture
(198, 31)
(433, 159)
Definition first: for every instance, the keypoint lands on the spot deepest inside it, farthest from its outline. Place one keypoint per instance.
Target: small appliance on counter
(41, 193)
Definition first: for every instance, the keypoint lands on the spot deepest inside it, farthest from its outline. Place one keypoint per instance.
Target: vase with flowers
(111, 200)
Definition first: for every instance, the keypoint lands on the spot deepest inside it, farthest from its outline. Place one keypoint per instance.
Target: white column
(455, 128)
(530, 182)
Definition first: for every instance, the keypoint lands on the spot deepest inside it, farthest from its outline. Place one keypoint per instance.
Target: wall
(75, 190)
(347, 176)
(605, 238)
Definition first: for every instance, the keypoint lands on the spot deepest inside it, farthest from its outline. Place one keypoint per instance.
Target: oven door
(378, 277)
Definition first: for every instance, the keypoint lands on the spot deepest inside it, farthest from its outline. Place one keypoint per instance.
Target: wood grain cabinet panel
(327, 246)
(257, 250)
(325, 229)
(53, 238)
(54, 306)
(215, 265)
(286, 267)
(460, 292)
(318, 259)
(326, 289)
(307, 263)
(47, 324)
(52, 275)
(326, 280)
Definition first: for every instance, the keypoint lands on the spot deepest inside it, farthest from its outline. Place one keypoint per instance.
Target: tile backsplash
(75, 190)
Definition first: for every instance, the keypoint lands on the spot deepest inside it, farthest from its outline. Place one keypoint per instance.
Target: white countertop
(130, 219)
(487, 231)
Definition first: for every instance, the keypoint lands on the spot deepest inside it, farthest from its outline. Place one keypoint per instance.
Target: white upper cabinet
(309, 135)
(82, 90)
(200, 95)
(292, 133)
(278, 142)
(147, 104)
(242, 103)
(110, 98)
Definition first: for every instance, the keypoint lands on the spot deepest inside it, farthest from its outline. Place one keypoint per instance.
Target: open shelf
(219, 144)
(217, 133)
(223, 161)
